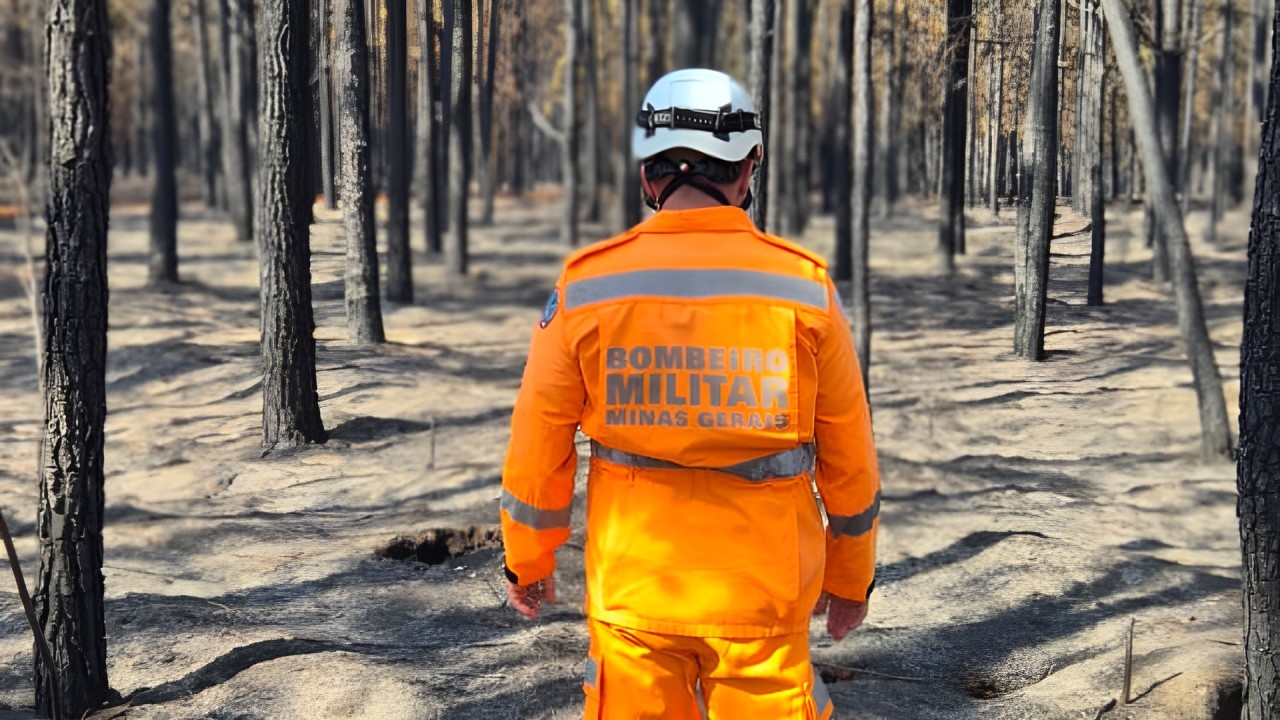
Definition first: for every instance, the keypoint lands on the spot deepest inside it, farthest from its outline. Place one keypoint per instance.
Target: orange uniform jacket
(687, 349)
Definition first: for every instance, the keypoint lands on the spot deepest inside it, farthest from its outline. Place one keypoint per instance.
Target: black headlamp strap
(721, 123)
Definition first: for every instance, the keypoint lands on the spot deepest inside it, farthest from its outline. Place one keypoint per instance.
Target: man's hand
(843, 616)
(528, 599)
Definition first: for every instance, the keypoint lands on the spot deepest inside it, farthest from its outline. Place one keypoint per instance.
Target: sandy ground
(1031, 511)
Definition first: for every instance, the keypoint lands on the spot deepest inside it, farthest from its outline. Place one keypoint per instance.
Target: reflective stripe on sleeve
(855, 525)
(536, 518)
(696, 284)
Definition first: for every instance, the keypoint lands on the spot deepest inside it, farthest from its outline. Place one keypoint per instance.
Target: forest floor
(1031, 512)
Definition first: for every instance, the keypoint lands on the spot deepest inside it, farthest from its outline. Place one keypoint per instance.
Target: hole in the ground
(437, 545)
(1230, 700)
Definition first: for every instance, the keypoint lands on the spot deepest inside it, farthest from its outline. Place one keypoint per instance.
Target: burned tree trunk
(657, 46)
(860, 296)
(1214, 432)
(351, 56)
(290, 404)
(997, 118)
(628, 172)
(1223, 116)
(399, 256)
(569, 148)
(163, 265)
(1195, 11)
(1036, 204)
(458, 113)
(588, 64)
(431, 162)
(760, 79)
(1258, 462)
(69, 588)
(951, 193)
(1088, 137)
(486, 114)
(209, 133)
(239, 88)
(842, 119)
(324, 77)
(887, 164)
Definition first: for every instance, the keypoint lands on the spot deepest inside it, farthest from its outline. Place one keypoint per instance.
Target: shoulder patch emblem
(549, 312)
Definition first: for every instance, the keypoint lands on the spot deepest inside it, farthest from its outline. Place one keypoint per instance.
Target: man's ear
(743, 186)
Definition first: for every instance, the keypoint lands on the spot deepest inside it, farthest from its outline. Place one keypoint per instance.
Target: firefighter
(713, 371)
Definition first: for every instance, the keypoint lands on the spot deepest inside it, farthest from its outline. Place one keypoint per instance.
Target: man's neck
(690, 198)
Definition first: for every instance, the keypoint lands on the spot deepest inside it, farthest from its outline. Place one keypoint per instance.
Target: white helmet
(702, 110)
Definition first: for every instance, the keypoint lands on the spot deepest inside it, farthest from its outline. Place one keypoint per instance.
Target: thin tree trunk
(1258, 463)
(657, 55)
(1098, 236)
(887, 165)
(799, 191)
(69, 587)
(842, 119)
(951, 219)
(290, 403)
(569, 148)
(431, 161)
(1168, 85)
(209, 134)
(1215, 435)
(351, 60)
(971, 127)
(1195, 10)
(861, 185)
(141, 136)
(458, 70)
(486, 113)
(238, 66)
(997, 116)
(780, 85)
(588, 65)
(163, 264)
(1039, 172)
(760, 74)
(1088, 139)
(628, 173)
(399, 255)
(326, 107)
(1224, 116)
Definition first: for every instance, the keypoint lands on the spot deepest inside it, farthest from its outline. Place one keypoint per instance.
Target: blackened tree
(290, 403)
(69, 589)
(163, 265)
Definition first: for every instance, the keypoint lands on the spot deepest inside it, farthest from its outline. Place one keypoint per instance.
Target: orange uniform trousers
(636, 675)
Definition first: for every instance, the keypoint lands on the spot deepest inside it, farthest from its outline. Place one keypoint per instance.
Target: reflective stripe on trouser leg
(821, 697)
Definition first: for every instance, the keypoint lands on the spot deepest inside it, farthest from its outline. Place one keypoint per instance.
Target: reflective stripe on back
(855, 525)
(696, 284)
(536, 518)
(785, 464)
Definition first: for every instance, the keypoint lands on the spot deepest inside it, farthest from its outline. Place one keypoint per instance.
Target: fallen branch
(42, 645)
(1128, 663)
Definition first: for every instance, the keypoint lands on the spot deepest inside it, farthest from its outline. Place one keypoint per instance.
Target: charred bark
(458, 112)
(569, 148)
(486, 113)
(760, 76)
(860, 295)
(842, 118)
(163, 259)
(1036, 204)
(239, 103)
(951, 226)
(69, 588)
(351, 61)
(290, 403)
(1258, 462)
(628, 172)
(431, 161)
(399, 256)
(324, 77)
(210, 167)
